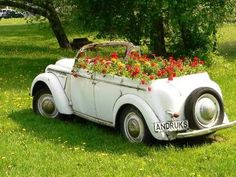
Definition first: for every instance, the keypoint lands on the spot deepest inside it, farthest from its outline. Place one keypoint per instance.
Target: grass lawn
(34, 146)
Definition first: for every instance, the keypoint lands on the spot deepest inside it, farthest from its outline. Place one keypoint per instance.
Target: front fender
(58, 93)
(145, 110)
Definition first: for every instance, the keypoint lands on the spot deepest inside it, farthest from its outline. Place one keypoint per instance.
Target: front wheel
(133, 126)
(43, 104)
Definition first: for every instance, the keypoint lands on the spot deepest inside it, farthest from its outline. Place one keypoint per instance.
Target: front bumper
(194, 133)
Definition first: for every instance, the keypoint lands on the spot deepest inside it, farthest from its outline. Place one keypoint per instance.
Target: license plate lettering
(171, 126)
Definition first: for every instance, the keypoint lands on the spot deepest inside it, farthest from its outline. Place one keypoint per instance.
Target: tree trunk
(186, 36)
(57, 28)
(157, 37)
(214, 40)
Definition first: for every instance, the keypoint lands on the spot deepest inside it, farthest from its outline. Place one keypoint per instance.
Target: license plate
(171, 126)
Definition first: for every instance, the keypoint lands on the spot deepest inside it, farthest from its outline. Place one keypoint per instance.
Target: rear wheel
(133, 126)
(204, 108)
(43, 104)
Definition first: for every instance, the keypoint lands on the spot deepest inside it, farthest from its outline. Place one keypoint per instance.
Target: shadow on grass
(195, 142)
(76, 132)
(228, 50)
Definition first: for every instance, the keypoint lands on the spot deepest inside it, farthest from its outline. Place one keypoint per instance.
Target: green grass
(227, 39)
(34, 146)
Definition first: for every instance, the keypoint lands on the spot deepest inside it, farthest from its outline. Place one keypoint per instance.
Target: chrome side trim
(119, 84)
(50, 70)
(205, 131)
(94, 119)
(109, 82)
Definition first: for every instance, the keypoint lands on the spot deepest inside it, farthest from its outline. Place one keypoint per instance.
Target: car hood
(66, 63)
(62, 65)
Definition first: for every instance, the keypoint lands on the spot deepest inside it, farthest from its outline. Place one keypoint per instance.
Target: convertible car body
(186, 106)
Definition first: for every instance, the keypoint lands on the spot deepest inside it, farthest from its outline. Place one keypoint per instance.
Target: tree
(46, 9)
(134, 20)
(193, 24)
(180, 27)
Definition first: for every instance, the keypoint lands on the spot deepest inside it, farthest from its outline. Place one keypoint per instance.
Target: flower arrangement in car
(141, 67)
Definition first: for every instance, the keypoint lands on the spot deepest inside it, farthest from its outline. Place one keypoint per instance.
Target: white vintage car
(187, 106)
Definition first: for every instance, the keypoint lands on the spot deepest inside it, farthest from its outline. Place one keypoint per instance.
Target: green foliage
(193, 24)
(189, 26)
(231, 17)
(116, 17)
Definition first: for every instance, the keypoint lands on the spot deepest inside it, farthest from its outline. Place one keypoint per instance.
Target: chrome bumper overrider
(205, 131)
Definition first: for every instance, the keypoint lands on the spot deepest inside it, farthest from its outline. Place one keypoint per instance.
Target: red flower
(161, 73)
(143, 81)
(152, 77)
(128, 67)
(170, 77)
(171, 58)
(95, 61)
(169, 69)
(196, 59)
(153, 64)
(135, 72)
(134, 55)
(114, 55)
(201, 62)
(194, 64)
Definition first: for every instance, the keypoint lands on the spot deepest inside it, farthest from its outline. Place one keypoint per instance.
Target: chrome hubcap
(207, 110)
(134, 127)
(46, 106)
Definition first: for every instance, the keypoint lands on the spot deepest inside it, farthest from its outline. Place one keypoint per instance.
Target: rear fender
(145, 110)
(51, 81)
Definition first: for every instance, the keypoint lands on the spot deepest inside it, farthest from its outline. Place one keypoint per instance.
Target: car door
(82, 94)
(106, 92)
(96, 97)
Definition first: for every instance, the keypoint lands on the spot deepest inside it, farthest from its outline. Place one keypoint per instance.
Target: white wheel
(43, 104)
